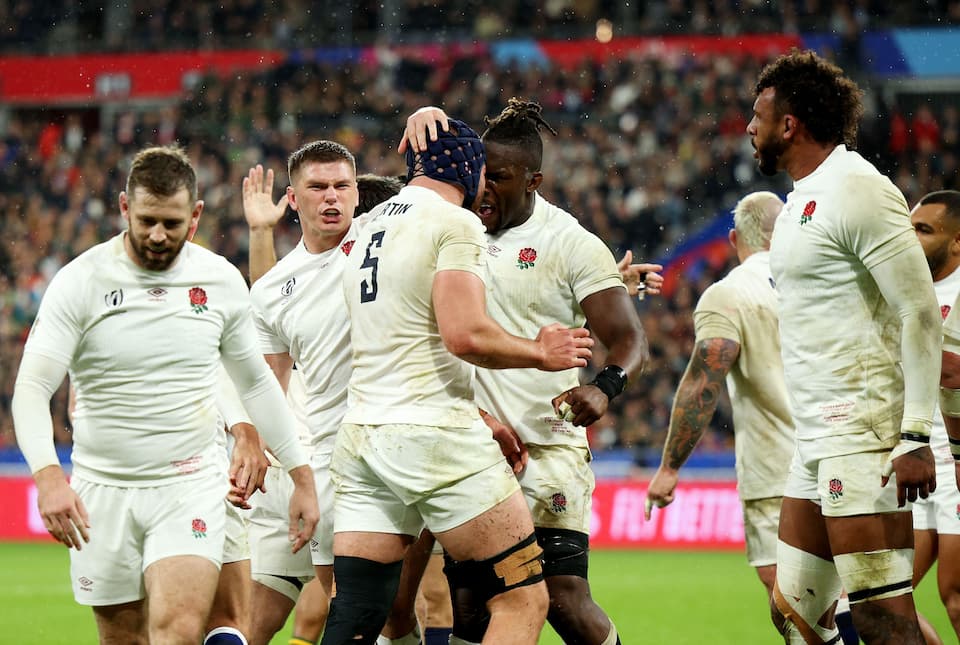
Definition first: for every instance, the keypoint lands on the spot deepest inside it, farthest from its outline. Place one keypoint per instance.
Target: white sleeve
(228, 401)
(904, 279)
(37, 379)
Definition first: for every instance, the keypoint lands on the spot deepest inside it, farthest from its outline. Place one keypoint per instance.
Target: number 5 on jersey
(368, 290)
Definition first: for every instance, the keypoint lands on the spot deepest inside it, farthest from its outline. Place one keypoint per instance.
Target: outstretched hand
(259, 209)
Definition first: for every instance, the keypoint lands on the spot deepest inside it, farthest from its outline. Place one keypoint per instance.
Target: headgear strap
(456, 157)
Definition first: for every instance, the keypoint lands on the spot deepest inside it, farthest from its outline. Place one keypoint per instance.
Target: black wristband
(611, 380)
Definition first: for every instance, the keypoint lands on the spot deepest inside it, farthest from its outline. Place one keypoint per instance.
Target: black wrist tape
(611, 380)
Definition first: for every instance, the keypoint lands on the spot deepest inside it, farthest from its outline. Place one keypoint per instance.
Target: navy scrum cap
(456, 157)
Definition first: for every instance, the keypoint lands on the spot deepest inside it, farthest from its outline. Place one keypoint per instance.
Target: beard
(768, 157)
(160, 259)
(938, 259)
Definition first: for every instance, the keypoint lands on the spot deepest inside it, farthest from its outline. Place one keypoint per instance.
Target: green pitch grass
(655, 597)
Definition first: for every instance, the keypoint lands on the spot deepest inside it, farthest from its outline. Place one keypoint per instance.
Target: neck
(322, 243)
(807, 159)
(449, 192)
(946, 270)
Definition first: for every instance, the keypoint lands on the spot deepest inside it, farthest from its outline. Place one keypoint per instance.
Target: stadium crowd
(138, 25)
(649, 150)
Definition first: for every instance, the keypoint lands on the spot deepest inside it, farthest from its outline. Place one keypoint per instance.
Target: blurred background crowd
(649, 150)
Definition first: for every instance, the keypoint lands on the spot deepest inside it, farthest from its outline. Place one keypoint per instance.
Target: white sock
(413, 638)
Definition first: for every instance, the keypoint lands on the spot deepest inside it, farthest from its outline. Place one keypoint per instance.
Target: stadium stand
(651, 152)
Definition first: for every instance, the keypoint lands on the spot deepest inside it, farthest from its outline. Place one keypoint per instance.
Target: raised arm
(262, 215)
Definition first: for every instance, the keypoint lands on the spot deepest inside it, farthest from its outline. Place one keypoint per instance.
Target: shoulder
(278, 275)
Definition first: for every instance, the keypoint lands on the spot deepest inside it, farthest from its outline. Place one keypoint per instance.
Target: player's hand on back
(563, 347)
(259, 209)
(422, 128)
(61, 509)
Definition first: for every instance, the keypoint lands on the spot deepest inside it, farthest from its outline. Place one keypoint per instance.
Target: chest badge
(807, 214)
(527, 258)
(198, 300)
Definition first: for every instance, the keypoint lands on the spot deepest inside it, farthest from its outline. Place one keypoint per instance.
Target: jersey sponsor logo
(526, 258)
(807, 214)
(347, 246)
(558, 502)
(493, 249)
(198, 300)
(287, 289)
(199, 528)
(835, 489)
(113, 299)
(86, 584)
(157, 294)
(944, 311)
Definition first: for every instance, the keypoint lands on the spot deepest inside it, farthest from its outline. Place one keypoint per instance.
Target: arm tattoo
(697, 396)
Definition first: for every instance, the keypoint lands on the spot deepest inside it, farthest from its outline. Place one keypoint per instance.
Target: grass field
(655, 597)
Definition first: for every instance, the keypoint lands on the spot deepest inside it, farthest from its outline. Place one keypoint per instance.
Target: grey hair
(753, 219)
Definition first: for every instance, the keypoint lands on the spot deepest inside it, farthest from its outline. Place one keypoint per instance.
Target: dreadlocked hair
(519, 125)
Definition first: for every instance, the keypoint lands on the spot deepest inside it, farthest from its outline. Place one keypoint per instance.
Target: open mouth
(485, 211)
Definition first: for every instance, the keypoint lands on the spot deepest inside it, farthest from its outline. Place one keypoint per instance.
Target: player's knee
(950, 596)
(365, 592)
(875, 575)
(565, 552)
(804, 595)
(289, 586)
(519, 566)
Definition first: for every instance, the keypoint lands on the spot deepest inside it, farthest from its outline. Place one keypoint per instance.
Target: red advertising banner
(704, 515)
(99, 77)
(19, 517)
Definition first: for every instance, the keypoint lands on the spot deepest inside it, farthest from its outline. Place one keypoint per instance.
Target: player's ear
(195, 219)
(789, 125)
(732, 236)
(536, 178)
(124, 205)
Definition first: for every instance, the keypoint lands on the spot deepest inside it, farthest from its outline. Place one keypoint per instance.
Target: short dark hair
(319, 152)
(375, 189)
(949, 198)
(519, 125)
(817, 92)
(162, 171)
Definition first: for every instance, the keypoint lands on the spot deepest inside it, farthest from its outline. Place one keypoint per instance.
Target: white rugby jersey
(402, 372)
(948, 290)
(742, 307)
(538, 273)
(299, 309)
(840, 339)
(143, 350)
